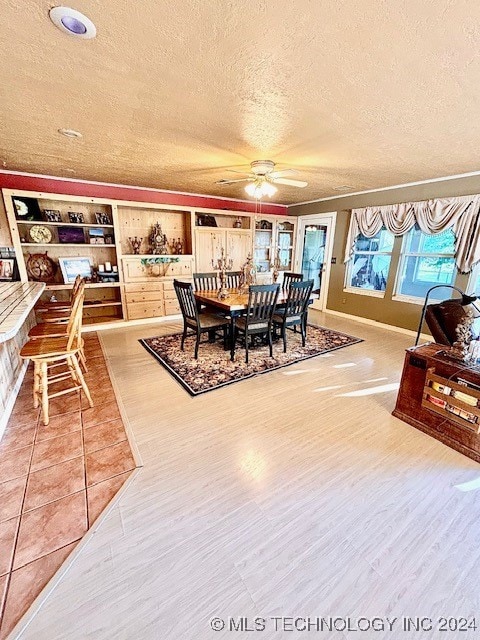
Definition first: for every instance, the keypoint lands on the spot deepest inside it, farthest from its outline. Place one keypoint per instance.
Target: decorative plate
(40, 234)
(40, 267)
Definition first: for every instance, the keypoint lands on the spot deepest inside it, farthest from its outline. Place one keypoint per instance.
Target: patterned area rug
(213, 369)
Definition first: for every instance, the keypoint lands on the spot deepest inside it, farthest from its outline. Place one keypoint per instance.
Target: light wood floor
(295, 493)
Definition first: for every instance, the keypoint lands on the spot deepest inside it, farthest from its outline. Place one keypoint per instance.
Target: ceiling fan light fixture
(259, 189)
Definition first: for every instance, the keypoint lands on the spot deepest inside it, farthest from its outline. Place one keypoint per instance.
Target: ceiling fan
(262, 177)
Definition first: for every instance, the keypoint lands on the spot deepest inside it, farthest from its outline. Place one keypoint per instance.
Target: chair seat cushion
(279, 319)
(253, 326)
(209, 321)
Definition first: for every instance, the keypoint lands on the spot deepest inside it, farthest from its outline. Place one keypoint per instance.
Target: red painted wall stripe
(138, 194)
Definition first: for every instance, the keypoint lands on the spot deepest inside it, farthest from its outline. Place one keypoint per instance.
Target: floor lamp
(464, 301)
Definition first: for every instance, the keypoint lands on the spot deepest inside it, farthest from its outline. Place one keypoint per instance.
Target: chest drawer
(135, 287)
(137, 310)
(171, 307)
(143, 296)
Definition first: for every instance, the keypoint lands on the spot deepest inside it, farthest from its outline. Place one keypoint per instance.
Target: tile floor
(55, 481)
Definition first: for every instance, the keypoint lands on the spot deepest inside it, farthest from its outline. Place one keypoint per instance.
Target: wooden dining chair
(55, 360)
(205, 281)
(197, 322)
(289, 277)
(295, 311)
(233, 279)
(262, 299)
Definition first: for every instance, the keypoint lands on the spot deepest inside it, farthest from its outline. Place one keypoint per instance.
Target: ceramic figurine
(136, 243)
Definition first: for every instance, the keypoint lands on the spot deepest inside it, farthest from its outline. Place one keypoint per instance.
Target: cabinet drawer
(171, 307)
(138, 310)
(144, 286)
(182, 268)
(169, 294)
(144, 296)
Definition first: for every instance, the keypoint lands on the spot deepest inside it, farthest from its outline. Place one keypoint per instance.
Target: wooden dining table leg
(232, 337)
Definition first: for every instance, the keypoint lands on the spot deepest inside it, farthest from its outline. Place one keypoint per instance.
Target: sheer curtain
(432, 216)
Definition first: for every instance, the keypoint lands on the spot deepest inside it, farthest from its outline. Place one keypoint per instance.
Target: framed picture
(7, 269)
(26, 208)
(96, 236)
(52, 215)
(76, 217)
(205, 220)
(71, 235)
(73, 267)
(103, 218)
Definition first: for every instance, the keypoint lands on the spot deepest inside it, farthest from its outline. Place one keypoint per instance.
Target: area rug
(213, 369)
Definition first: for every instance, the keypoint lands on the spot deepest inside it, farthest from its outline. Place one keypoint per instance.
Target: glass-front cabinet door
(284, 244)
(263, 244)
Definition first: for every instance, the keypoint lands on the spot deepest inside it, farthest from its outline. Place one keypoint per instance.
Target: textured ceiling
(171, 94)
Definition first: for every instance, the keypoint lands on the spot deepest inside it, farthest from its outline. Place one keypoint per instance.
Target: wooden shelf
(63, 224)
(152, 255)
(67, 244)
(89, 285)
(106, 303)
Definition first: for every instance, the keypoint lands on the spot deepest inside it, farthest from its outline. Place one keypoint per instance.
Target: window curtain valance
(460, 214)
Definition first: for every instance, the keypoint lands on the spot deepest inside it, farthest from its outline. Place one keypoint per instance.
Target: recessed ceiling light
(70, 133)
(73, 22)
(343, 187)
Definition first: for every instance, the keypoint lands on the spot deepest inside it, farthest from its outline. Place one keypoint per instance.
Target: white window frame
(404, 255)
(348, 288)
(472, 279)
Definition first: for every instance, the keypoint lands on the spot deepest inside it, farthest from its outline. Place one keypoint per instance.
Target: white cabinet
(273, 236)
(209, 241)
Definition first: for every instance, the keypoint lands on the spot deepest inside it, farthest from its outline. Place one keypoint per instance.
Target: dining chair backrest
(205, 281)
(233, 279)
(289, 277)
(74, 326)
(186, 300)
(298, 298)
(262, 299)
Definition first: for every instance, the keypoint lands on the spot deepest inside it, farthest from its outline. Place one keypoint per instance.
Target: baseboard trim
(110, 326)
(381, 325)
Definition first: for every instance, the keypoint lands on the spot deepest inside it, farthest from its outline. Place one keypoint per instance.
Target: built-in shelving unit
(143, 290)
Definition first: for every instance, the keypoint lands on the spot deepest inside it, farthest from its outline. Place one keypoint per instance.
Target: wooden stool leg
(36, 384)
(83, 360)
(82, 380)
(44, 383)
(72, 370)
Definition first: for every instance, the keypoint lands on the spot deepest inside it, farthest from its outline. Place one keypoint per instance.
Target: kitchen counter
(17, 317)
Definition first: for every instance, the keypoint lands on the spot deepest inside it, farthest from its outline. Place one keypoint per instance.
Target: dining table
(233, 306)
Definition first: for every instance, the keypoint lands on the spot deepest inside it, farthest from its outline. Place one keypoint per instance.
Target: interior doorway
(314, 253)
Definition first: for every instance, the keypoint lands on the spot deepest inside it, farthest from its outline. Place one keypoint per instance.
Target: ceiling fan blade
(223, 181)
(282, 172)
(290, 183)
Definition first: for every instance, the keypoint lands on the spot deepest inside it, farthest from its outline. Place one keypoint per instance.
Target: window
(474, 281)
(370, 263)
(426, 261)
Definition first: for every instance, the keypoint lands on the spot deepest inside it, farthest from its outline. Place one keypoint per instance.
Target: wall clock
(40, 267)
(40, 234)
(158, 240)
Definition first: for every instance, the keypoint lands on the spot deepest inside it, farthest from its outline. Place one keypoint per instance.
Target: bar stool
(62, 330)
(49, 353)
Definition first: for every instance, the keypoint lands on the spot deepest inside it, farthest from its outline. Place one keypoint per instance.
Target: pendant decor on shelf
(158, 240)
